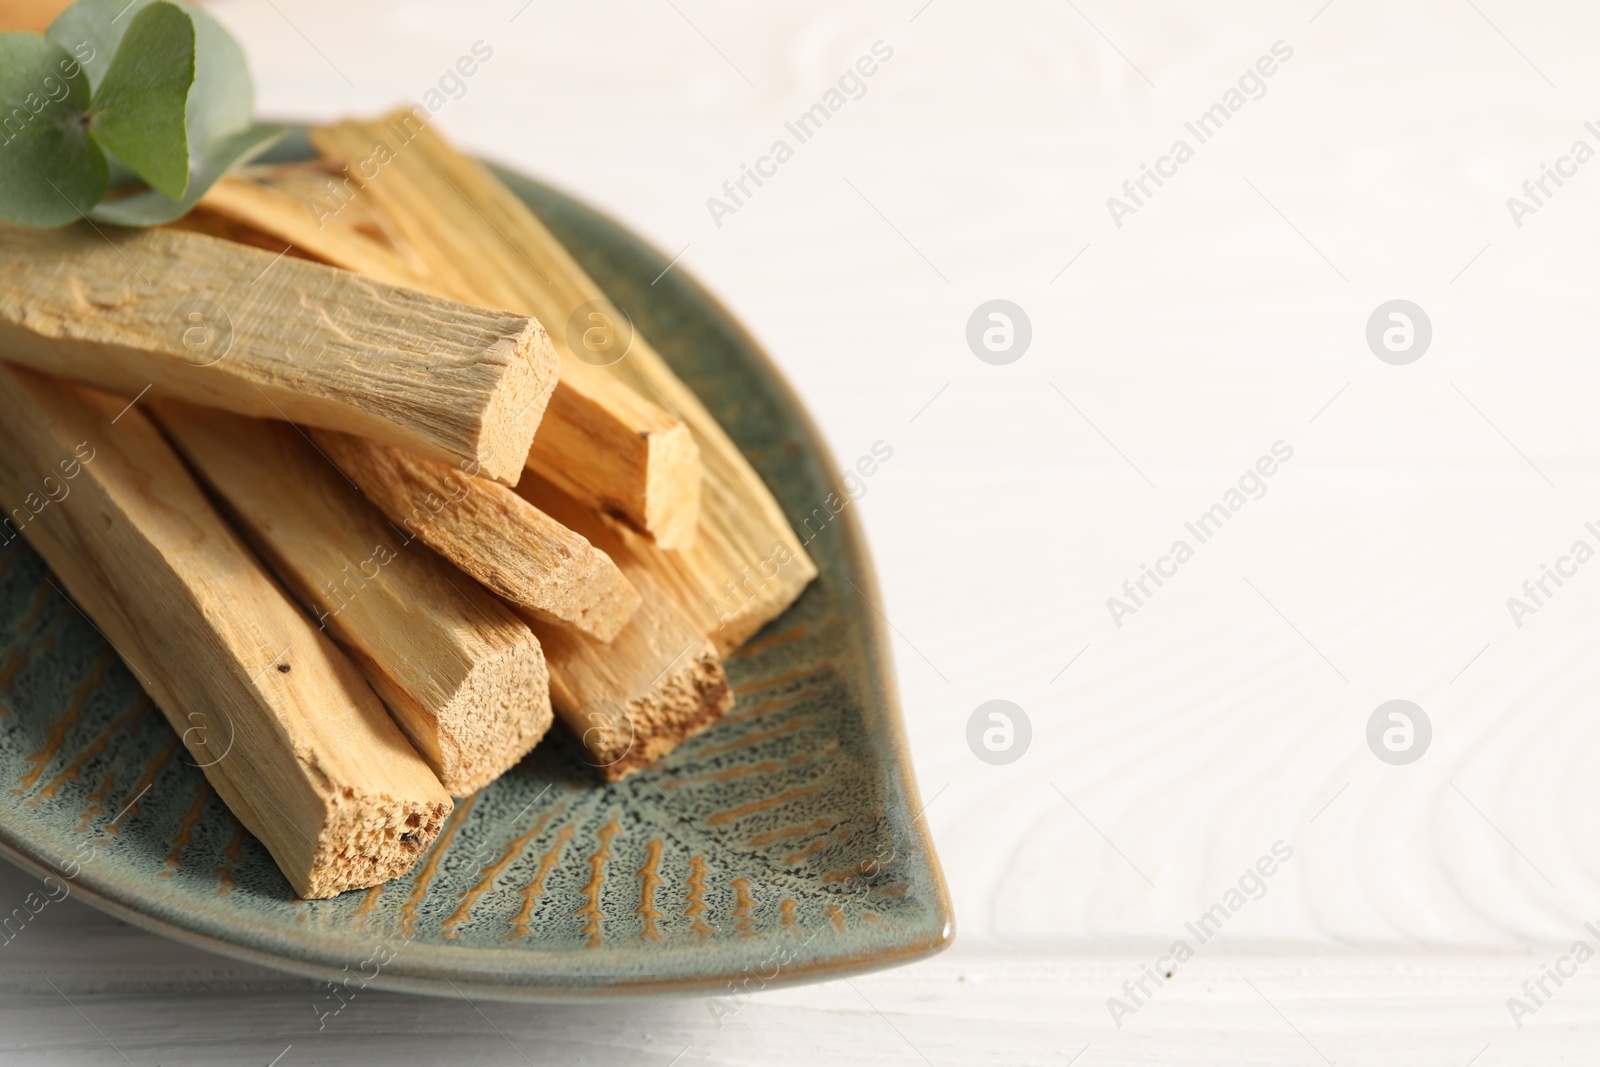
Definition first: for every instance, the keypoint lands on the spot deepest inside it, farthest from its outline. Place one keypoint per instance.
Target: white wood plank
(150, 1000)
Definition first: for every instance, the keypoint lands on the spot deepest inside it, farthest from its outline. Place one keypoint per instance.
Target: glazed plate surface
(783, 844)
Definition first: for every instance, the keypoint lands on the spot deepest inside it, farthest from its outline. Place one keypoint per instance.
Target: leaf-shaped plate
(783, 844)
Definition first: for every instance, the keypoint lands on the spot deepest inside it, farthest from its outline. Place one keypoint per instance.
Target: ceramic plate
(783, 844)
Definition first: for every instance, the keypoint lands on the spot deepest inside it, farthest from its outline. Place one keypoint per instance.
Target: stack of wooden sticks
(349, 505)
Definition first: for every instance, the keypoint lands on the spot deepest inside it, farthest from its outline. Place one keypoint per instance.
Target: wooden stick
(287, 731)
(463, 676)
(491, 533)
(215, 224)
(746, 565)
(643, 466)
(34, 16)
(222, 325)
(607, 446)
(274, 213)
(659, 682)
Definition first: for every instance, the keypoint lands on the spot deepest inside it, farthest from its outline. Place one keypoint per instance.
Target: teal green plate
(783, 844)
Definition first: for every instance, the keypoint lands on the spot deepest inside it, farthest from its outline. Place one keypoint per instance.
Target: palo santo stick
(746, 565)
(601, 444)
(659, 682)
(491, 533)
(606, 445)
(212, 224)
(463, 676)
(273, 213)
(223, 325)
(285, 728)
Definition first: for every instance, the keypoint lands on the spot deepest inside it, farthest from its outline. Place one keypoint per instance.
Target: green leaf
(221, 98)
(138, 108)
(91, 31)
(50, 171)
(150, 208)
(217, 116)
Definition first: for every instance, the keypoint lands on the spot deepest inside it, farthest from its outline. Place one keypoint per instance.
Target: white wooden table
(1227, 313)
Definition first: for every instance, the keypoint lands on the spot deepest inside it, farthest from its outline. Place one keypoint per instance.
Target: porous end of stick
(672, 502)
(367, 839)
(496, 716)
(682, 704)
(517, 407)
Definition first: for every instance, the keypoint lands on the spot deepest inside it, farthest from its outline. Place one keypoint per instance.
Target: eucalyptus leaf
(138, 108)
(134, 73)
(221, 98)
(151, 208)
(50, 171)
(91, 30)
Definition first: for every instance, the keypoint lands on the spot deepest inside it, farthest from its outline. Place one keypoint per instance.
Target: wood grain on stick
(745, 564)
(493, 534)
(658, 682)
(286, 729)
(604, 444)
(224, 325)
(270, 205)
(463, 676)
